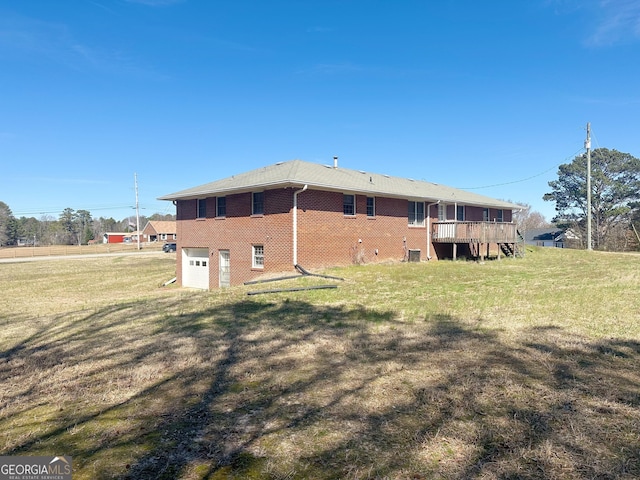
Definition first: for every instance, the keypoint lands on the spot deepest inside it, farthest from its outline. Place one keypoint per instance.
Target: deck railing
(474, 232)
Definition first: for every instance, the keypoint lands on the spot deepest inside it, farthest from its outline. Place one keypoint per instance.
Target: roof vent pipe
(335, 162)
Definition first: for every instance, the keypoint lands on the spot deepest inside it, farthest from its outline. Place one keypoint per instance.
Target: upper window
(500, 216)
(258, 256)
(257, 203)
(349, 205)
(416, 213)
(442, 212)
(371, 207)
(485, 214)
(202, 208)
(460, 213)
(221, 207)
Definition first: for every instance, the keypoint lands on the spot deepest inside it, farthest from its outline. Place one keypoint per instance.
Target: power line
(595, 139)
(527, 178)
(58, 210)
(45, 211)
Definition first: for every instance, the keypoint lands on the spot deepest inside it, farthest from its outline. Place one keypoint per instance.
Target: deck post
(455, 250)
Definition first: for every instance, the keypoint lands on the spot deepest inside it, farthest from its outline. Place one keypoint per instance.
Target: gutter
(429, 228)
(295, 223)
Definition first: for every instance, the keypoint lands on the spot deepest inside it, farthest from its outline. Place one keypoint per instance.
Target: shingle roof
(542, 234)
(297, 173)
(163, 226)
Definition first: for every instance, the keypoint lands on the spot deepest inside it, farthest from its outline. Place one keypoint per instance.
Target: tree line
(615, 199)
(72, 227)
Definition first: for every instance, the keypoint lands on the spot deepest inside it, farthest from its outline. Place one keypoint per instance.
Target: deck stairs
(514, 249)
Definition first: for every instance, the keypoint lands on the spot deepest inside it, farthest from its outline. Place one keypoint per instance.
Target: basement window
(258, 256)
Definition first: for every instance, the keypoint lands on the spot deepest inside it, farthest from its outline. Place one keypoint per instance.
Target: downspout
(295, 224)
(429, 228)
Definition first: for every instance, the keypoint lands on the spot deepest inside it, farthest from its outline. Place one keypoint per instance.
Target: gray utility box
(414, 255)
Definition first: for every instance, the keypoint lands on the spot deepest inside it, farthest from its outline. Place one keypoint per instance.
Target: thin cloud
(608, 22)
(28, 37)
(157, 3)
(334, 68)
(319, 29)
(67, 181)
(609, 102)
(618, 22)
(340, 69)
(349, 68)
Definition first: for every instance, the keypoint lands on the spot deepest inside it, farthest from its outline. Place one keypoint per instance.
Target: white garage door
(195, 268)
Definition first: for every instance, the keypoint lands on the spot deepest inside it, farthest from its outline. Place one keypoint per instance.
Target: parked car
(169, 247)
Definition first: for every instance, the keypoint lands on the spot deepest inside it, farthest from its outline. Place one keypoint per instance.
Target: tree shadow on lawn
(287, 389)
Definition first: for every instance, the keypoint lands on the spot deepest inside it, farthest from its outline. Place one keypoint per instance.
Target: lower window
(258, 256)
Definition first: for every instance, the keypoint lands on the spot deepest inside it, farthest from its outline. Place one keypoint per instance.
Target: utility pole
(135, 179)
(587, 145)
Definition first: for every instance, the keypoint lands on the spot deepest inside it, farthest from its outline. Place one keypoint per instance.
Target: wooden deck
(474, 232)
(479, 237)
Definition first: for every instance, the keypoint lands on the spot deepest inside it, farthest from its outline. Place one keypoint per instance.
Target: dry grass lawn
(526, 368)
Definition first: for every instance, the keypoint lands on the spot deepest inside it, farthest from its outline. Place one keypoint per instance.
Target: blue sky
(486, 96)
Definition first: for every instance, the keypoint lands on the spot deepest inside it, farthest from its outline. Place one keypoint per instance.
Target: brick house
(268, 220)
(159, 230)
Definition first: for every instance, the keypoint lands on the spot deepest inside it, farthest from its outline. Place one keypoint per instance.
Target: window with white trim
(349, 204)
(371, 207)
(202, 208)
(257, 203)
(460, 213)
(258, 256)
(416, 213)
(221, 206)
(442, 212)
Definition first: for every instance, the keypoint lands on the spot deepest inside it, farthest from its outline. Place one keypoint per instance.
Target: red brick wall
(237, 232)
(326, 237)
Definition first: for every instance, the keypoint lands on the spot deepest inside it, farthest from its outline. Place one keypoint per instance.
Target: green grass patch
(524, 368)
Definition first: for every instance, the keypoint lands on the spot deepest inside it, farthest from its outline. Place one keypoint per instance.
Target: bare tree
(528, 219)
